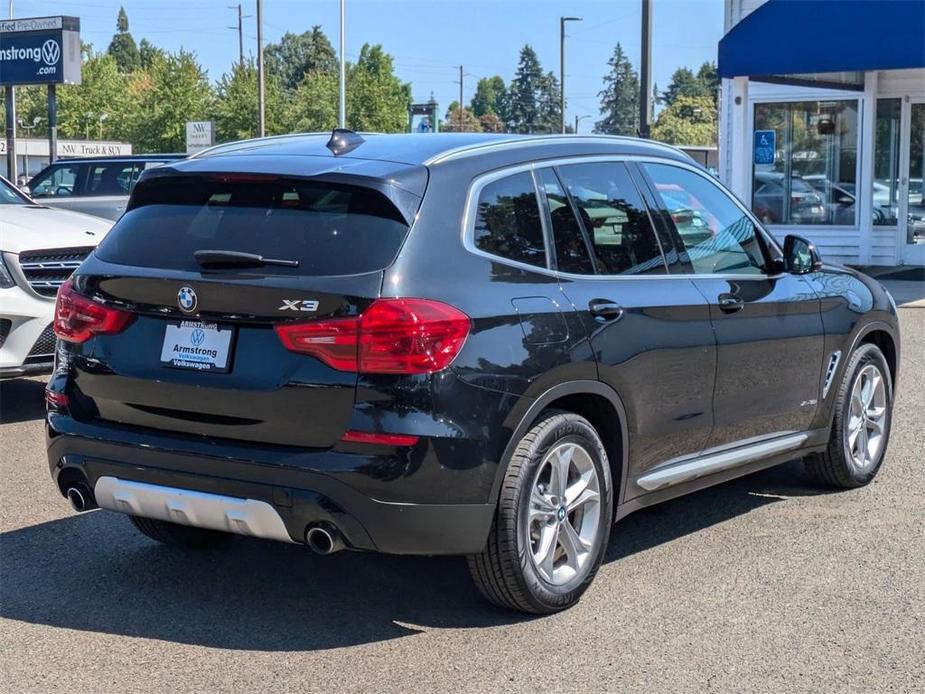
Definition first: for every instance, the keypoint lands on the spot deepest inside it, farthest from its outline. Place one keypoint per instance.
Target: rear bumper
(299, 496)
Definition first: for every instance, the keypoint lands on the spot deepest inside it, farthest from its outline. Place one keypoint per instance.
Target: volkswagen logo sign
(187, 300)
(51, 52)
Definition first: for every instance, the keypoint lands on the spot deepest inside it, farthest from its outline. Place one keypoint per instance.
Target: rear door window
(507, 222)
(614, 218)
(329, 229)
(111, 178)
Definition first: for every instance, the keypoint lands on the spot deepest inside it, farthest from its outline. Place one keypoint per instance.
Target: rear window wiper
(238, 259)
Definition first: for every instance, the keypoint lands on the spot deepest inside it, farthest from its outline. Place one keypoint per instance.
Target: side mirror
(800, 255)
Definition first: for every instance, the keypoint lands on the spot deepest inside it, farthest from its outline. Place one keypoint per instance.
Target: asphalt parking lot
(761, 584)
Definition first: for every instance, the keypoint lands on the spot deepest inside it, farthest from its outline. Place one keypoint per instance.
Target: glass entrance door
(912, 203)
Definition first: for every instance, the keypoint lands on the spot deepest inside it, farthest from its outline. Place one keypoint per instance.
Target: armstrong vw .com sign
(44, 50)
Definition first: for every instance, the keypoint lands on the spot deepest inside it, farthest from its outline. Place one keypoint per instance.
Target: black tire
(179, 535)
(834, 467)
(504, 571)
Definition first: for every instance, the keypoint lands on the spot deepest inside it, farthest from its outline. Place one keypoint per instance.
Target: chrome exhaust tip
(80, 498)
(323, 539)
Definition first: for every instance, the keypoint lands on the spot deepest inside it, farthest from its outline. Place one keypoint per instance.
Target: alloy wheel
(564, 514)
(867, 418)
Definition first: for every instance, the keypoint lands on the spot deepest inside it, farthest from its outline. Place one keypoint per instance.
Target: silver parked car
(97, 185)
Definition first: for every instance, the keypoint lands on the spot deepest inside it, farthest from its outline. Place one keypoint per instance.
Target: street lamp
(25, 151)
(562, 21)
(578, 119)
(103, 116)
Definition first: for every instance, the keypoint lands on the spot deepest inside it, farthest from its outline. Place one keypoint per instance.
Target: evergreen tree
(489, 97)
(522, 108)
(619, 97)
(684, 83)
(298, 54)
(123, 47)
(146, 53)
(708, 76)
(548, 104)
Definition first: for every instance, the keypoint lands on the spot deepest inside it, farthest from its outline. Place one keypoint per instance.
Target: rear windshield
(329, 229)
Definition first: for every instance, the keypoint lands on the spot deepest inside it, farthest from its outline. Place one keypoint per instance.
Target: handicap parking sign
(765, 146)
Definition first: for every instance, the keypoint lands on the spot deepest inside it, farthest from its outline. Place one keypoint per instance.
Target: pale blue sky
(427, 39)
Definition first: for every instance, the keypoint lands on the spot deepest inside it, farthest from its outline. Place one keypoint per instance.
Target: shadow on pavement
(22, 400)
(92, 572)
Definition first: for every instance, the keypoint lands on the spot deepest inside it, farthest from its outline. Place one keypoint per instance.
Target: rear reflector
(393, 336)
(377, 438)
(78, 318)
(56, 399)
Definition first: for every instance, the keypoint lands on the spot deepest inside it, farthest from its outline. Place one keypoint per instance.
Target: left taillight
(78, 318)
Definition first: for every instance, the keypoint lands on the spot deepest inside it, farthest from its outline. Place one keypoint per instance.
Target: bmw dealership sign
(41, 50)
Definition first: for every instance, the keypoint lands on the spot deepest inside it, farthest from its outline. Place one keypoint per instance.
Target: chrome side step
(186, 507)
(686, 471)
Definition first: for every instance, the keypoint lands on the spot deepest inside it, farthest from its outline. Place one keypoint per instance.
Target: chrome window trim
(521, 142)
(467, 231)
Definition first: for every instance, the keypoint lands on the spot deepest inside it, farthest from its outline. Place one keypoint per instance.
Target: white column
(735, 143)
(865, 186)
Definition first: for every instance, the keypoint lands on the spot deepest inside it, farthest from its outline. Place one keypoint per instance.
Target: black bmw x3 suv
(489, 346)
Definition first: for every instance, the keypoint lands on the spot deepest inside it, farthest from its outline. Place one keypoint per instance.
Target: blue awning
(783, 37)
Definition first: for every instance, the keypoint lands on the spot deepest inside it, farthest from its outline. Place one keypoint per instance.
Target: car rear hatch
(210, 267)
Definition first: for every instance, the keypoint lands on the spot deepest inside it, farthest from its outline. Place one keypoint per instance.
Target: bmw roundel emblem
(187, 300)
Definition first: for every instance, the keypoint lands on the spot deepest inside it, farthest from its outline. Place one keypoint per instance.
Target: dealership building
(822, 123)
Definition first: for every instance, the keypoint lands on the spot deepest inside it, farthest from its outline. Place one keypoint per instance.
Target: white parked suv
(39, 249)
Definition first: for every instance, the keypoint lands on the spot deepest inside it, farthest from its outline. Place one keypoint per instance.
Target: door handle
(730, 303)
(605, 310)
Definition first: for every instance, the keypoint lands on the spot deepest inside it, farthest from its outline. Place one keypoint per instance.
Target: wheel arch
(597, 402)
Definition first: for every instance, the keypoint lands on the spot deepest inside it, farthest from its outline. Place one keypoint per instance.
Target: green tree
(236, 112)
(489, 97)
(123, 47)
(100, 106)
(619, 97)
(490, 123)
(690, 120)
(548, 103)
(298, 54)
(522, 104)
(313, 106)
(146, 53)
(708, 76)
(173, 90)
(470, 122)
(683, 83)
(377, 100)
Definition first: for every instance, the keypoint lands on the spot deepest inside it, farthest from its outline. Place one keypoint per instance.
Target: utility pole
(261, 106)
(240, 29)
(645, 72)
(342, 85)
(459, 109)
(562, 21)
(10, 106)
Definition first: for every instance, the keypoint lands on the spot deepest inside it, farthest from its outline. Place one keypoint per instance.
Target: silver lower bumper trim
(687, 471)
(186, 507)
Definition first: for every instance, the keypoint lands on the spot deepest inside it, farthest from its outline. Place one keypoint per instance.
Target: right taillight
(393, 336)
(78, 318)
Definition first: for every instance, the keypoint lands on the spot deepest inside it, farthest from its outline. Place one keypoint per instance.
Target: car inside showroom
(826, 139)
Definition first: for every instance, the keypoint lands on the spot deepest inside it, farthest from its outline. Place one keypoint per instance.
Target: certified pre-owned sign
(45, 50)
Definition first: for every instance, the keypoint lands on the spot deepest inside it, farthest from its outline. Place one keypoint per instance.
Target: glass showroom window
(886, 162)
(805, 162)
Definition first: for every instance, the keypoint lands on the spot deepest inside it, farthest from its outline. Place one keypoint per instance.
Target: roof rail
(527, 141)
